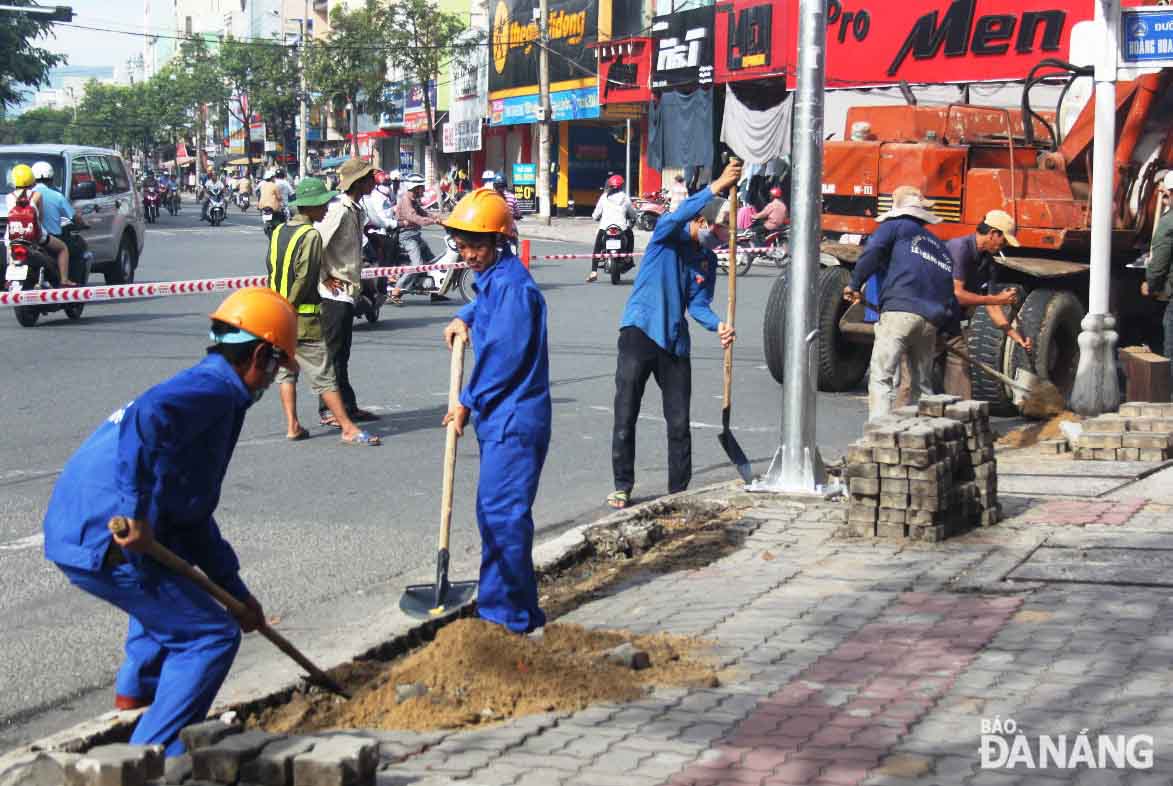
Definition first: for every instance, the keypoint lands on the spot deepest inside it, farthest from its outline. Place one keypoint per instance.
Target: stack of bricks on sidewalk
(924, 472)
(1138, 432)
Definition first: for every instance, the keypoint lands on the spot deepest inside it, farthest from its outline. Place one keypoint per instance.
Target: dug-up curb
(621, 531)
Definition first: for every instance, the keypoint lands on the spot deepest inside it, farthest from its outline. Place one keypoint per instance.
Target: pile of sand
(1030, 435)
(477, 672)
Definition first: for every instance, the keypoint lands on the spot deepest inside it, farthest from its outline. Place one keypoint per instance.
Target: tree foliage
(23, 65)
(36, 126)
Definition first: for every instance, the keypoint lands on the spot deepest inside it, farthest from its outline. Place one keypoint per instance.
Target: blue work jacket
(675, 274)
(508, 391)
(162, 459)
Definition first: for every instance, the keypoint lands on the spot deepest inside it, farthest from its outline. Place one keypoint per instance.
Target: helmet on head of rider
(615, 183)
(22, 176)
(499, 182)
(42, 170)
(414, 181)
(776, 193)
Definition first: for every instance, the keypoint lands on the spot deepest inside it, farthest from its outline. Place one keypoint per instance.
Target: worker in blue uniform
(508, 396)
(160, 461)
(677, 275)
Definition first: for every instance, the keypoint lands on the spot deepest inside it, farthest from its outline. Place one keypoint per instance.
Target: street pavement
(854, 662)
(328, 535)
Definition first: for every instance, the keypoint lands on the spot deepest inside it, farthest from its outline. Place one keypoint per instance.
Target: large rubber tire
(987, 343)
(121, 269)
(774, 326)
(27, 316)
(616, 272)
(74, 311)
(842, 363)
(1050, 318)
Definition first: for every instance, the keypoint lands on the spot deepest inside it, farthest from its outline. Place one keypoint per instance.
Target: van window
(10, 160)
(121, 181)
(102, 174)
(81, 173)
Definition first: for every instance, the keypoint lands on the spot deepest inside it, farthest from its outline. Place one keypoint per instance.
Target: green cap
(312, 192)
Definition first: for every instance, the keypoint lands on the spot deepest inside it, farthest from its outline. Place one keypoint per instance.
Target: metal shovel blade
(420, 600)
(733, 450)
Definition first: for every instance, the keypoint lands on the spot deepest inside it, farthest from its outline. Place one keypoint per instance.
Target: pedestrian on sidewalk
(1158, 283)
(678, 274)
(975, 283)
(341, 282)
(295, 264)
(160, 462)
(916, 297)
(508, 397)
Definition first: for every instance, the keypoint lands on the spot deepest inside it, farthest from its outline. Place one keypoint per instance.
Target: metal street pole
(303, 114)
(544, 124)
(797, 465)
(1096, 389)
(627, 155)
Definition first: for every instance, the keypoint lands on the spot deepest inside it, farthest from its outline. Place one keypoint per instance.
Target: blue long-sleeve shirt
(917, 271)
(675, 275)
(162, 459)
(508, 391)
(54, 207)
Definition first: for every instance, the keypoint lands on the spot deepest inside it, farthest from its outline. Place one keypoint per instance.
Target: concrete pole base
(1096, 389)
(795, 474)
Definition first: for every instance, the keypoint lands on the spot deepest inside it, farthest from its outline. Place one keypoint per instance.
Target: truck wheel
(987, 344)
(774, 325)
(842, 363)
(1050, 318)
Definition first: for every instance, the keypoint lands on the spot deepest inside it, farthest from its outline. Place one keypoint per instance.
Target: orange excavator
(971, 159)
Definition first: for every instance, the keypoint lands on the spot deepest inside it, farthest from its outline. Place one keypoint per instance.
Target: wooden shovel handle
(455, 382)
(727, 396)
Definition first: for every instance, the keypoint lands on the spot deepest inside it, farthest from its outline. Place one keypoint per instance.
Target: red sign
(625, 68)
(750, 39)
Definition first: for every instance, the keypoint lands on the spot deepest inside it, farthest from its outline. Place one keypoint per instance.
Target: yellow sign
(508, 34)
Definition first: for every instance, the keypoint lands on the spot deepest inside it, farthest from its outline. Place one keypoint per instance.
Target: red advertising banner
(625, 68)
(750, 39)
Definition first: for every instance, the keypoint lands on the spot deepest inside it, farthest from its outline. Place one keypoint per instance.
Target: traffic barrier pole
(525, 253)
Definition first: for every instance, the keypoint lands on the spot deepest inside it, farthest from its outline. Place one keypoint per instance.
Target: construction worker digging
(160, 462)
(508, 397)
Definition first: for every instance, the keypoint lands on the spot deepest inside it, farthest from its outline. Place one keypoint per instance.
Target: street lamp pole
(303, 108)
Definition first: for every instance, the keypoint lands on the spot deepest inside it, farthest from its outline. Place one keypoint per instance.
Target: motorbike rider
(56, 210)
(772, 217)
(214, 184)
(614, 208)
(412, 219)
(283, 185)
(272, 197)
(380, 212)
(24, 182)
(244, 186)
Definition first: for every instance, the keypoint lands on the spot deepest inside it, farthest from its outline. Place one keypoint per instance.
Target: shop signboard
(525, 185)
(750, 40)
(393, 101)
(406, 160)
(684, 49)
(625, 71)
(572, 27)
(579, 104)
(467, 105)
(415, 113)
(256, 130)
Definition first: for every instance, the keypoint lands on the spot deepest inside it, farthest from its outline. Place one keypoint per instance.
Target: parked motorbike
(651, 206)
(151, 199)
(29, 268)
(617, 249)
(745, 259)
(242, 201)
(217, 210)
(373, 294)
(437, 284)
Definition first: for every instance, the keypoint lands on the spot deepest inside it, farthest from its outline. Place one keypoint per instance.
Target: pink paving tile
(831, 735)
(800, 727)
(877, 737)
(774, 742)
(843, 774)
(764, 760)
(800, 770)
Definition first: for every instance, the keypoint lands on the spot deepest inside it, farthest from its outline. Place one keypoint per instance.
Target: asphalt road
(316, 523)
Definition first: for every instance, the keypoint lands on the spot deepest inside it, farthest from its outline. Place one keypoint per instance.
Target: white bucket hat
(909, 201)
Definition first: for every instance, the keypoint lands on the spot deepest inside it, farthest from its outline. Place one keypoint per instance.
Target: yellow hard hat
(484, 210)
(263, 313)
(22, 176)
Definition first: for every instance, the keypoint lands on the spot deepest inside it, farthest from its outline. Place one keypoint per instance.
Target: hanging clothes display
(756, 136)
(680, 130)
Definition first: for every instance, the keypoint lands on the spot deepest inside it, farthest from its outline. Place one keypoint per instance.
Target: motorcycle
(151, 203)
(271, 219)
(171, 200)
(216, 207)
(617, 250)
(651, 206)
(29, 268)
(436, 284)
(745, 259)
(373, 294)
(242, 201)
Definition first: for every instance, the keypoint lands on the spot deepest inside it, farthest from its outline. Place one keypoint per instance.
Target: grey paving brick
(273, 764)
(223, 760)
(336, 761)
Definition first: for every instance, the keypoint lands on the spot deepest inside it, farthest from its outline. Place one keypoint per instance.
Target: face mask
(708, 239)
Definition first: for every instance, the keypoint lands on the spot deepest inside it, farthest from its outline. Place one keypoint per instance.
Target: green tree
(266, 74)
(421, 39)
(37, 126)
(21, 63)
(352, 61)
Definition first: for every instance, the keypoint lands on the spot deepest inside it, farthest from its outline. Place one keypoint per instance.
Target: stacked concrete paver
(1138, 432)
(925, 472)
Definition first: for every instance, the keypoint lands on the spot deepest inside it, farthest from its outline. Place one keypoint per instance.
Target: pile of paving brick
(1138, 432)
(925, 472)
(218, 753)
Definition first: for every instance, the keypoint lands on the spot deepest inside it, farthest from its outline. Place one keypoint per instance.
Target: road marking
(692, 424)
(31, 542)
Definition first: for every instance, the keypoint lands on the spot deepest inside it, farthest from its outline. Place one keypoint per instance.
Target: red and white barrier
(740, 250)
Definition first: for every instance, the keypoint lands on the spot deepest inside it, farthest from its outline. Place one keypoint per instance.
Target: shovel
(1036, 398)
(166, 557)
(726, 438)
(428, 601)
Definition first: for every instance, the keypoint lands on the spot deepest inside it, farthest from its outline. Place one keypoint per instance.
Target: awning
(331, 163)
(242, 161)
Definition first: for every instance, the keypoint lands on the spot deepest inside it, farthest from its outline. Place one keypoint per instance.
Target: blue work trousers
(510, 470)
(179, 647)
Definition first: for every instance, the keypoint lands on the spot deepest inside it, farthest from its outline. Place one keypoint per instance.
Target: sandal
(618, 499)
(328, 421)
(299, 436)
(593, 277)
(395, 300)
(363, 439)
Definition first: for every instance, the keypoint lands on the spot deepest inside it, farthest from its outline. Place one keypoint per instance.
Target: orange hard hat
(263, 313)
(484, 210)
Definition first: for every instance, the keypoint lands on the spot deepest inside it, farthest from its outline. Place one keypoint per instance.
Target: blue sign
(1146, 37)
(579, 104)
(525, 174)
(525, 182)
